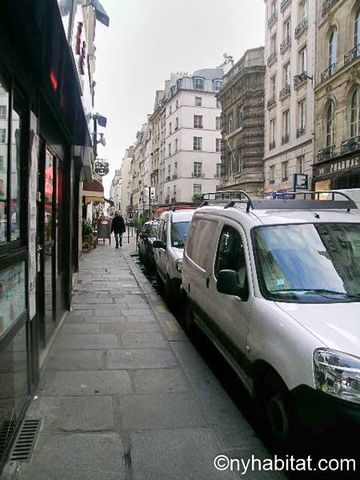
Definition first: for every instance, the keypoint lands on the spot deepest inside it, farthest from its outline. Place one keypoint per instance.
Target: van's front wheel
(276, 411)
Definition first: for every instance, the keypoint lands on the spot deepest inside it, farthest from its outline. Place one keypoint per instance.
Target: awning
(93, 191)
(100, 13)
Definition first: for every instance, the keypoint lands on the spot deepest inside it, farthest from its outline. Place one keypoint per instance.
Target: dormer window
(198, 83)
(217, 85)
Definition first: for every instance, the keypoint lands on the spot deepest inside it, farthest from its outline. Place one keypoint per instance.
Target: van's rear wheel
(276, 410)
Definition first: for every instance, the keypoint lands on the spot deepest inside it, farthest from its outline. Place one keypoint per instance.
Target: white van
(275, 285)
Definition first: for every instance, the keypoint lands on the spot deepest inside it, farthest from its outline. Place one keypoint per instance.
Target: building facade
(337, 93)
(116, 190)
(125, 170)
(242, 119)
(289, 94)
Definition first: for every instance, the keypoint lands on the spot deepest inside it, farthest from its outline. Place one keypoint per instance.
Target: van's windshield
(309, 263)
(178, 233)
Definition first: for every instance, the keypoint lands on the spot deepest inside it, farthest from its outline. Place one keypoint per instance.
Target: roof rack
(289, 202)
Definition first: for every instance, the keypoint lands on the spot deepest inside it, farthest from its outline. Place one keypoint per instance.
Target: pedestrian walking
(118, 227)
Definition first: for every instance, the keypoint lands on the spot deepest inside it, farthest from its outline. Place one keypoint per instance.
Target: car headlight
(178, 265)
(337, 374)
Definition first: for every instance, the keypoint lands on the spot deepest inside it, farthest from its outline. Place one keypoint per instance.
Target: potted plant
(87, 235)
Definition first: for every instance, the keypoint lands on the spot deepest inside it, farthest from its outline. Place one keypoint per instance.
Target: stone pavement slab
(140, 358)
(163, 380)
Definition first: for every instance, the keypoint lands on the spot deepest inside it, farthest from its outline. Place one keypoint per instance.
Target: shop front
(43, 134)
(341, 172)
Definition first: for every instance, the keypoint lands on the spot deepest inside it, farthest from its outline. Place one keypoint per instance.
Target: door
(229, 313)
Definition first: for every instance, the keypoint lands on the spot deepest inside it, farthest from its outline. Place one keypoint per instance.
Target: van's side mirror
(158, 244)
(228, 283)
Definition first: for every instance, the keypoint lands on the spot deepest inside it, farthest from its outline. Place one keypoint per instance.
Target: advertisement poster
(12, 295)
(34, 138)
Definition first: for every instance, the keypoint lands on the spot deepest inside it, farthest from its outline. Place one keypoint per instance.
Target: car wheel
(276, 412)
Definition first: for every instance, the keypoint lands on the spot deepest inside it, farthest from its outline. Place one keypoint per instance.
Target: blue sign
(301, 181)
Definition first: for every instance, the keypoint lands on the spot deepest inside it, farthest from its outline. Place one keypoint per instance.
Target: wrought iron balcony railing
(303, 25)
(285, 45)
(352, 55)
(350, 144)
(285, 139)
(329, 72)
(271, 102)
(326, 153)
(284, 92)
(300, 79)
(271, 58)
(327, 5)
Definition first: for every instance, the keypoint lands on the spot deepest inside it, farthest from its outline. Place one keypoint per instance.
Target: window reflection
(4, 104)
(15, 177)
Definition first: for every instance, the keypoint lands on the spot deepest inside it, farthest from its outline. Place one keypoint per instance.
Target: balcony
(167, 199)
(352, 55)
(284, 92)
(300, 132)
(326, 153)
(271, 102)
(301, 27)
(271, 58)
(272, 19)
(350, 145)
(285, 45)
(174, 177)
(284, 4)
(300, 79)
(173, 199)
(272, 145)
(329, 72)
(216, 175)
(285, 139)
(167, 179)
(198, 175)
(326, 6)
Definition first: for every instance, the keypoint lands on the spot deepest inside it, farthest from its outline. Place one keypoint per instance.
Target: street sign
(301, 181)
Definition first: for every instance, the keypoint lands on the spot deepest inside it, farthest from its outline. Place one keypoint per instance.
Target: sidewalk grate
(6, 432)
(25, 440)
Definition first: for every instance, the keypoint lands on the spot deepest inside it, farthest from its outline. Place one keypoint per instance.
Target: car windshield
(178, 233)
(309, 263)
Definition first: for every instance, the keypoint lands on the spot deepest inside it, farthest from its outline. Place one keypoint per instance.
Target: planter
(87, 243)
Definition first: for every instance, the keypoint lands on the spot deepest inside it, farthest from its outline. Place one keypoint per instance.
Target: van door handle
(207, 282)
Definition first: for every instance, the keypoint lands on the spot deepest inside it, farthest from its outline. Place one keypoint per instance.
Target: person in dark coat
(118, 227)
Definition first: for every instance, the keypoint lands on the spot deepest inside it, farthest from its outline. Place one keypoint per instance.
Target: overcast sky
(149, 39)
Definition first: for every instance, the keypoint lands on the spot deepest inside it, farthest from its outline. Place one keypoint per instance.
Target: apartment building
(289, 95)
(242, 102)
(337, 95)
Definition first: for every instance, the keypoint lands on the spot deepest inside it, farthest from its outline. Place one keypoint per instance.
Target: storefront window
(12, 296)
(4, 107)
(15, 176)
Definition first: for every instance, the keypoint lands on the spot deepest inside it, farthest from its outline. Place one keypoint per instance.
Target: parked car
(275, 285)
(146, 238)
(168, 249)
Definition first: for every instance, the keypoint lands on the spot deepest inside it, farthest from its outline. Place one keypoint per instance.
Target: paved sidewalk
(124, 395)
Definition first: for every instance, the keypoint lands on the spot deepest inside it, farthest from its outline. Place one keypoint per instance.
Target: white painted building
(115, 190)
(189, 152)
(289, 92)
(125, 180)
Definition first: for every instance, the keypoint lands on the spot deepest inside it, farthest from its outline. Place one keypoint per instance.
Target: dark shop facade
(44, 150)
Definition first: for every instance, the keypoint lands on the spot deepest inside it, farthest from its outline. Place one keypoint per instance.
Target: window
(302, 117)
(285, 171)
(218, 123)
(177, 104)
(330, 125)
(198, 121)
(176, 123)
(286, 75)
(231, 255)
(2, 135)
(272, 133)
(197, 143)
(198, 83)
(217, 85)
(3, 112)
(218, 170)
(272, 174)
(218, 144)
(273, 44)
(197, 189)
(175, 168)
(174, 194)
(273, 86)
(357, 29)
(230, 123)
(198, 101)
(169, 149)
(287, 30)
(170, 110)
(197, 169)
(176, 144)
(286, 124)
(170, 128)
(355, 114)
(332, 48)
(303, 10)
(169, 170)
(300, 164)
(200, 237)
(272, 7)
(218, 104)
(303, 60)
